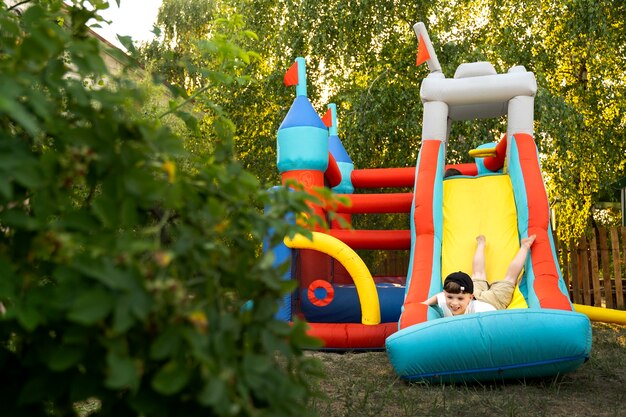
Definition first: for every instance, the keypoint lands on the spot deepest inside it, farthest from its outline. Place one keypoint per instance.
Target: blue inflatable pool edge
(495, 345)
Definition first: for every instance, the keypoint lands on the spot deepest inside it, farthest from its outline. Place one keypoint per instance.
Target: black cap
(464, 281)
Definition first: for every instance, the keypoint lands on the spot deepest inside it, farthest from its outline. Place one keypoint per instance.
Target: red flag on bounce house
(328, 118)
(422, 52)
(291, 76)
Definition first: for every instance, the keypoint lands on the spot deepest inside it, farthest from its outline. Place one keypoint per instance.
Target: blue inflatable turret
(302, 137)
(341, 156)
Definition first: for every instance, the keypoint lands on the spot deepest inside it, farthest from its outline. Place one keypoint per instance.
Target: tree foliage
(576, 50)
(124, 278)
(360, 54)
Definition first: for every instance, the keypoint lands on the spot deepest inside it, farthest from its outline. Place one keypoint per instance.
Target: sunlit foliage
(361, 55)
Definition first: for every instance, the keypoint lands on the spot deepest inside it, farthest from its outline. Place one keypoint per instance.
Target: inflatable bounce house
(503, 198)
(344, 305)
(500, 195)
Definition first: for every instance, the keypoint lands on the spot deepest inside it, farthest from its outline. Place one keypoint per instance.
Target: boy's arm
(431, 301)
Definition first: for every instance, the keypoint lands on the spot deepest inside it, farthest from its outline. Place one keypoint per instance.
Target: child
(459, 290)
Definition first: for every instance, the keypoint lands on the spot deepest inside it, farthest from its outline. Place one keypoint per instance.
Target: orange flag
(328, 118)
(291, 76)
(422, 52)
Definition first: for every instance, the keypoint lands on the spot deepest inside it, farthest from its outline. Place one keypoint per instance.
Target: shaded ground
(364, 384)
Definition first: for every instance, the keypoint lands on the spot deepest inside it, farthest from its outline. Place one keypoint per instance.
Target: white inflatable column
(435, 123)
(520, 115)
(521, 111)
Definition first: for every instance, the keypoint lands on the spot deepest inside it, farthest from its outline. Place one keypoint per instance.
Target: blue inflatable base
(345, 306)
(496, 345)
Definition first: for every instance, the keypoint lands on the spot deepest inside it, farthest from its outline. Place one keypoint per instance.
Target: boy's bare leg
(516, 265)
(478, 262)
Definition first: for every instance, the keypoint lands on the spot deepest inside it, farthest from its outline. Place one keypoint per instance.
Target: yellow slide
(480, 206)
(485, 205)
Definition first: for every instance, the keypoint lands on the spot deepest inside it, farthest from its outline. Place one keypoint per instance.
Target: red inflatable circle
(325, 285)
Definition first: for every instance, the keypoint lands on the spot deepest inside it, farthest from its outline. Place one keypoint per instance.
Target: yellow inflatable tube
(604, 315)
(483, 153)
(365, 287)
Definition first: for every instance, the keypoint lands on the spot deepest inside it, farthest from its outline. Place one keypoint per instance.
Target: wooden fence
(595, 270)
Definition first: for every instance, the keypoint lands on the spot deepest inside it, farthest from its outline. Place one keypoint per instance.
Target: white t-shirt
(474, 306)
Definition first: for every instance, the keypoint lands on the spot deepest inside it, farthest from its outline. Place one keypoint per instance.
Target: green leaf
(66, 275)
(250, 34)
(166, 344)
(106, 210)
(62, 357)
(16, 218)
(33, 15)
(122, 319)
(198, 344)
(91, 306)
(191, 122)
(28, 173)
(156, 30)
(79, 220)
(18, 113)
(127, 42)
(34, 390)
(213, 393)
(10, 27)
(85, 55)
(105, 272)
(29, 317)
(171, 378)
(267, 260)
(121, 372)
(142, 185)
(256, 364)
(42, 107)
(5, 187)
(82, 388)
(141, 303)
(8, 280)
(128, 212)
(300, 337)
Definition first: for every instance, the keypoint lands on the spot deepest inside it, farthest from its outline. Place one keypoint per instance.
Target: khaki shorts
(499, 294)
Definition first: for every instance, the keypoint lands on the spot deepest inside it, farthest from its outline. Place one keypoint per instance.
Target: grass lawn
(364, 384)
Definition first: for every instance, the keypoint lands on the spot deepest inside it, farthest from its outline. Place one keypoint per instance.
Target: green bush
(124, 280)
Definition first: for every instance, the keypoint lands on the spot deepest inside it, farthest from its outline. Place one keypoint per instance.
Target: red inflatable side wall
(423, 219)
(546, 283)
(351, 335)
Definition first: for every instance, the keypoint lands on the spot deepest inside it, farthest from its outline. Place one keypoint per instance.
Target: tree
(125, 278)
(575, 50)
(360, 54)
